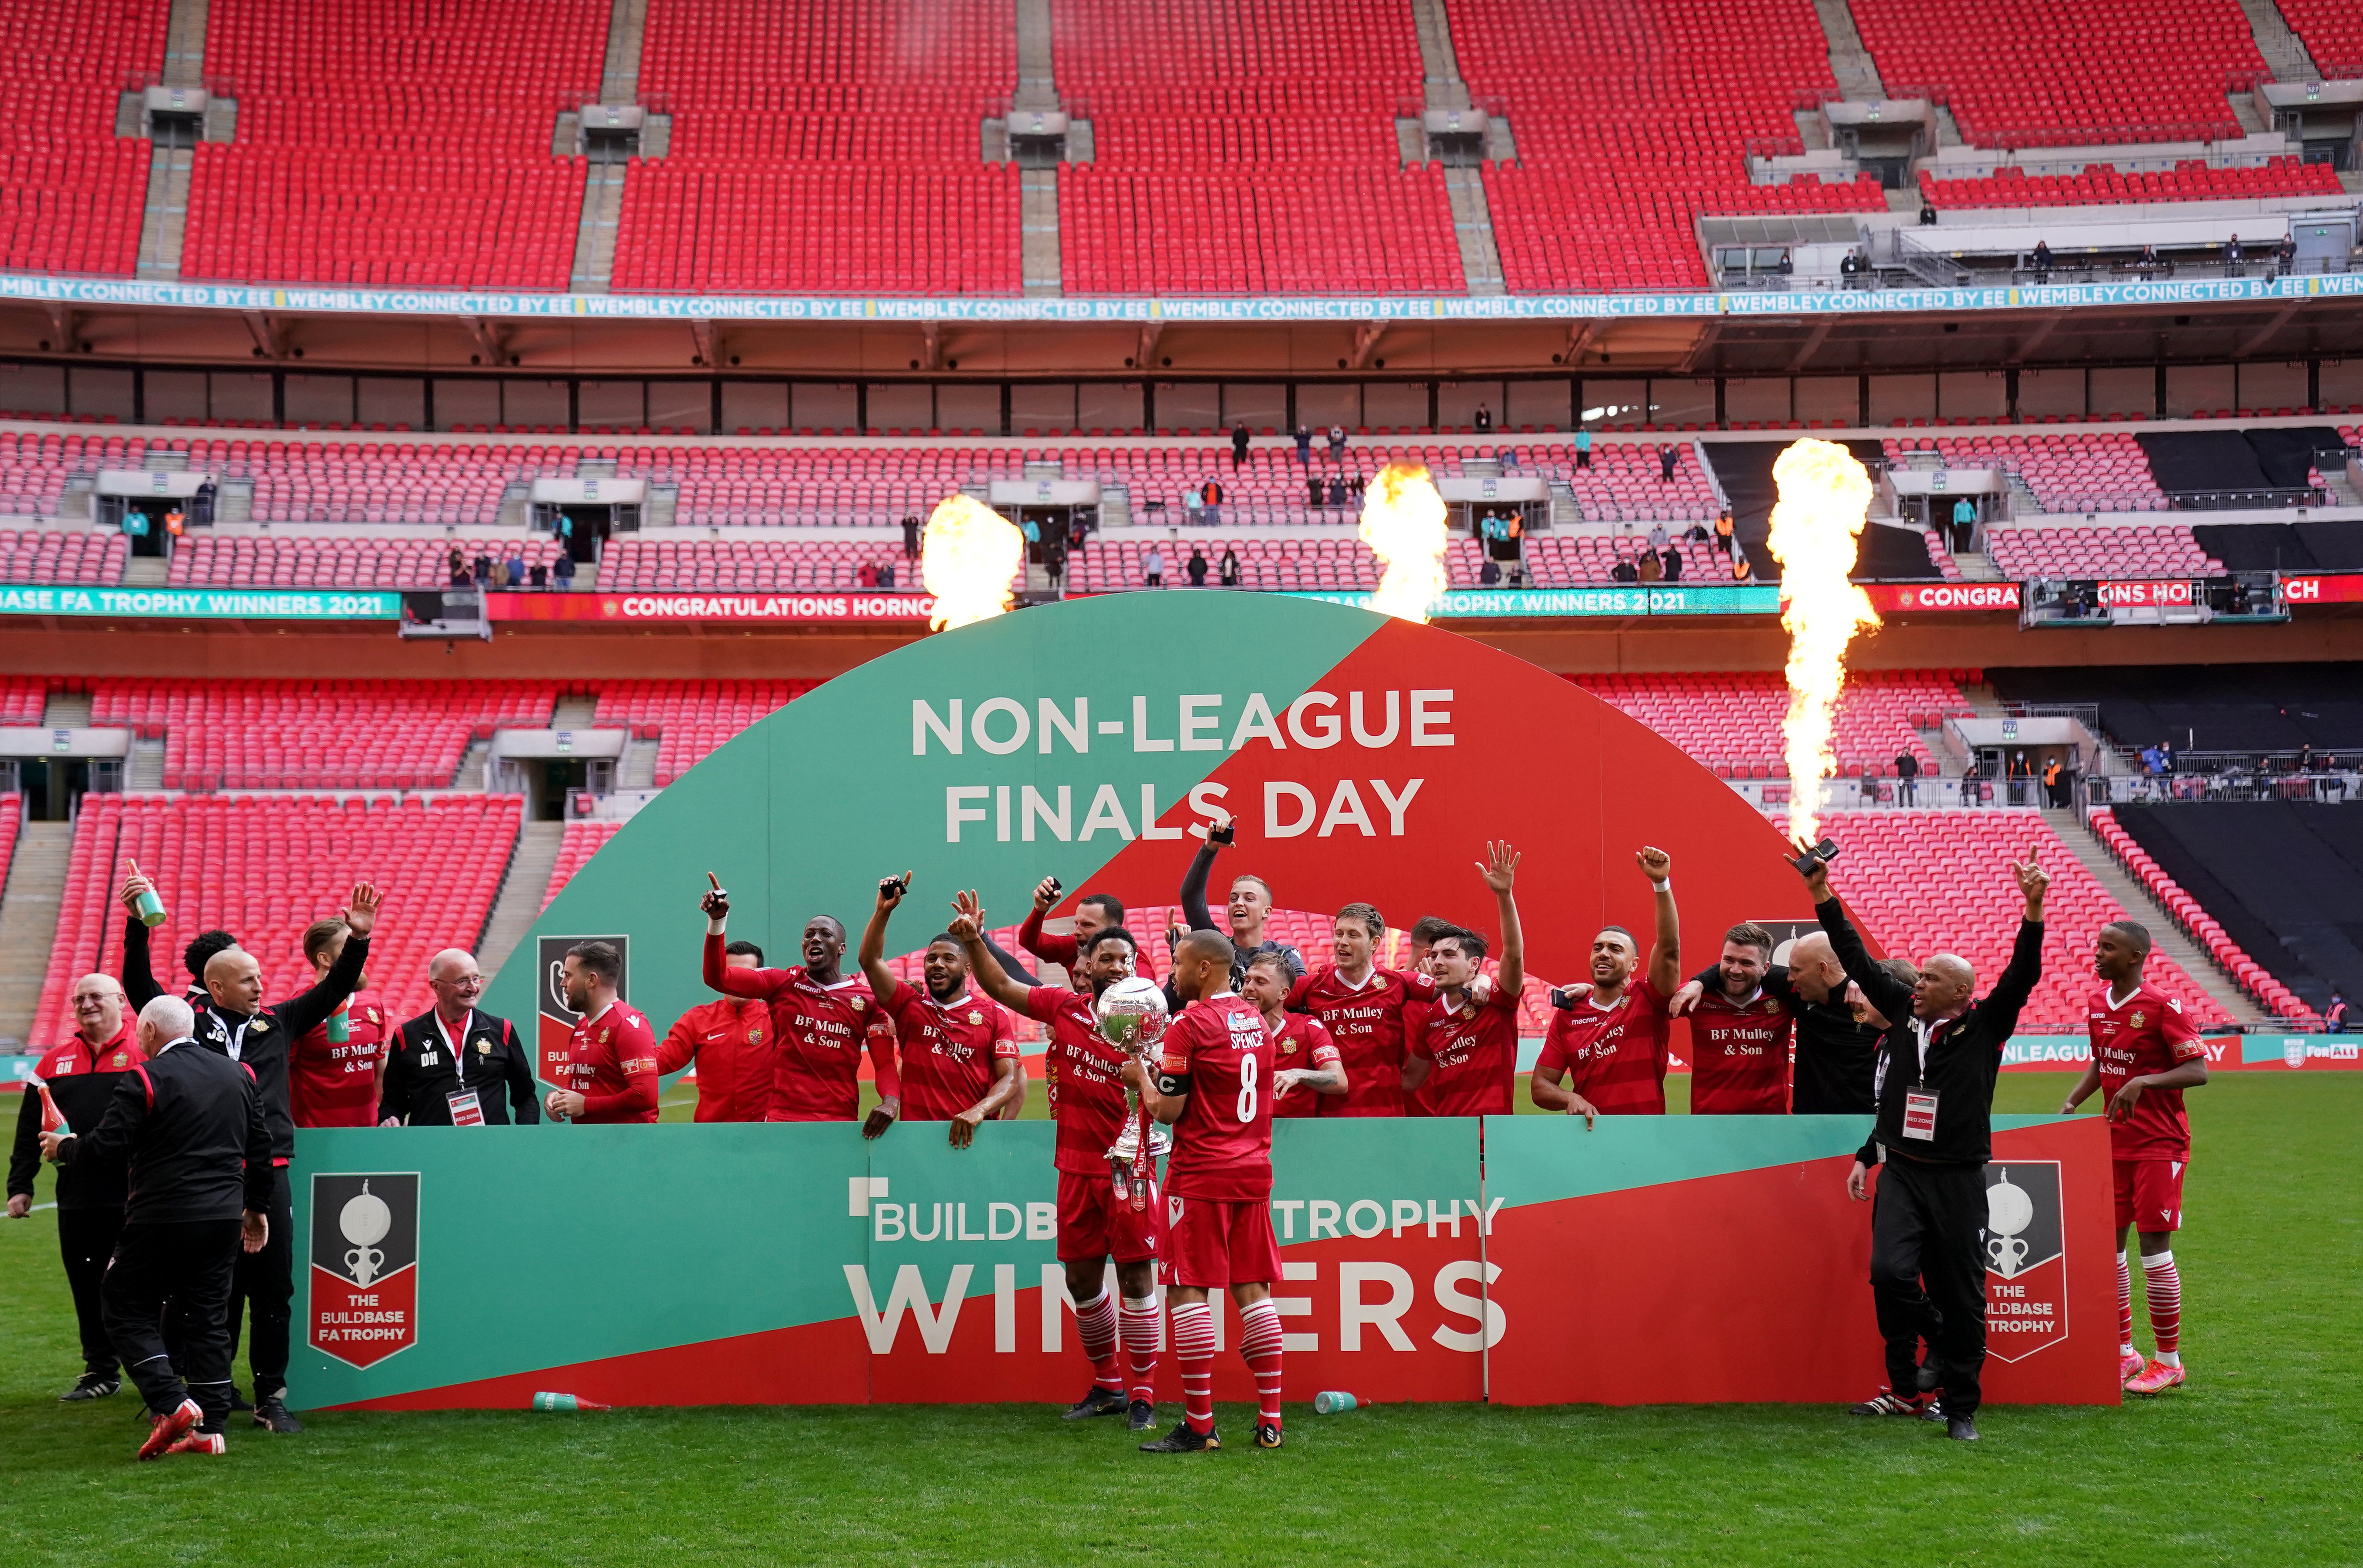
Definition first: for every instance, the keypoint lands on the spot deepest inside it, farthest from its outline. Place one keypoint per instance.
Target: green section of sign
(1542, 1159)
(200, 604)
(1516, 604)
(1083, 703)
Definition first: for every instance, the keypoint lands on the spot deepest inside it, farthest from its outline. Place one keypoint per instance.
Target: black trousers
(1926, 1225)
(188, 1264)
(87, 1239)
(265, 1282)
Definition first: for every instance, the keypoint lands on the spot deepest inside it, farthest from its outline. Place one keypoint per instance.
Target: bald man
(455, 1065)
(79, 1076)
(1836, 1051)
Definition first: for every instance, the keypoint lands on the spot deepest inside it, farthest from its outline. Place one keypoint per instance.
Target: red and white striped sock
(1259, 1343)
(1095, 1320)
(1140, 1324)
(2165, 1306)
(2125, 1304)
(1194, 1351)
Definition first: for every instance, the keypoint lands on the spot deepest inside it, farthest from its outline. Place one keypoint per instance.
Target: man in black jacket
(189, 1123)
(450, 1064)
(1930, 1140)
(234, 1022)
(1836, 1054)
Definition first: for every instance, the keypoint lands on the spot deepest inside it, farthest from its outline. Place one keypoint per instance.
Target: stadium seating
(380, 143)
(71, 192)
(33, 469)
(2332, 31)
(1893, 858)
(22, 699)
(56, 556)
(581, 842)
(2203, 927)
(763, 565)
(1730, 722)
(1246, 149)
(1609, 180)
(689, 718)
(318, 734)
(2192, 181)
(2142, 551)
(2105, 72)
(824, 149)
(264, 868)
(2068, 471)
(12, 809)
(248, 560)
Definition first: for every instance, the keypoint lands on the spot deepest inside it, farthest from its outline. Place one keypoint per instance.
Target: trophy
(1132, 1018)
(2009, 1211)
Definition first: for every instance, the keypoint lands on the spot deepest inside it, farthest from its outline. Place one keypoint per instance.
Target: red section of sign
(2027, 1312)
(556, 1040)
(2323, 590)
(1923, 597)
(734, 609)
(2148, 595)
(362, 1325)
(1506, 751)
(1755, 1286)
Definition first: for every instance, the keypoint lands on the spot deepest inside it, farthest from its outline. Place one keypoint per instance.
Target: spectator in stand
(1669, 456)
(561, 571)
(201, 504)
(730, 1040)
(1673, 559)
(1227, 568)
(1193, 502)
(1489, 573)
(2042, 260)
(2147, 263)
(1786, 266)
(2236, 258)
(1239, 445)
(479, 570)
(2334, 1017)
(459, 565)
(1741, 568)
(1965, 522)
(2285, 256)
(1907, 779)
(1649, 568)
(1658, 535)
(2166, 757)
(1582, 447)
(1336, 489)
(1313, 488)
(176, 522)
(2055, 784)
(866, 574)
(1723, 539)
(1336, 442)
(1927, 212)
(1623, 570)
(540, 576)
(1196, 567)
(453, 1066)
(135, 522)
(1304, 445)
(1152, 567)
(516, 567)
(566, 530)
(910, 537)
(1484, 421)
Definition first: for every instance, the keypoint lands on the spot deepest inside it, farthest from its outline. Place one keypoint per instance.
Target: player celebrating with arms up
(959, 1057)
(1611, 1041)
(2145, 1054)
(1464, 1051)
(1213, 1087)
(1082, 1076)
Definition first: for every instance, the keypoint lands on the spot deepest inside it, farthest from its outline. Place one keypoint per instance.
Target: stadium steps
(1566, 512)
(184, 43)
(574, 712)
(66, 711)
(1977, 566)
(640, 766)
(2254, 119)
(1038, 82)
(147, 763)
(233, 500)
(1440, 64)
(619, 80)
(146, 572)
(1116, 506)
(28, 923)
(1039, 213)
(516, 505)
(594, 240)
(1850, 61)
(664, 505)
(165, 219)
(1473, 226)
(471, 780)
(2167, 936)
(2285, 53)
(520, 903)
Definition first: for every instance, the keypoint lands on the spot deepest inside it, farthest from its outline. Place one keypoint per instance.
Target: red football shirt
(1615, 1055)
(2144, 1033)
(1475, 1049)
(820, 1032)
(611, 1061)
(1222, 1143)
(1367, 1021)
(731, 1042)
(1300, 1041)
(947, 1049)
(1740, 1056)
(333, 1083)
(1082, 1075)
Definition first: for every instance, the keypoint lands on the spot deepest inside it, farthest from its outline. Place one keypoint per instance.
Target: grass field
(2259, 1460)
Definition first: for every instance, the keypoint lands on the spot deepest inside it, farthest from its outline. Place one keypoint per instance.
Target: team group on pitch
(1257, 1033)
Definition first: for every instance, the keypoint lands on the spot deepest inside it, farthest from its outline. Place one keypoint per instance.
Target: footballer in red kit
(1082, 1076)
(821, 1021)
(1213, 1087)
(1367, 1012)
(2145, 1054)
(959, 1061)
(730, 1043)
(1739, 1033)
(1608, 1039)
(1306, 1067)
(611, 1058)
(1095, 913)
(1464, 1045)
(335, 1070)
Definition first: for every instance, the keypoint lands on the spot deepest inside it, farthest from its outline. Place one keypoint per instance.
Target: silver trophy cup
(1132, 1018)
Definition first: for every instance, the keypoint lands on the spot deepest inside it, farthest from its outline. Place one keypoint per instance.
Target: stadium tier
(1730, 722)
(578, 844)
(2139, 551)
(689, 718)
(438, 863)
(53, 556)
(2110, 70)
(2332, 31)
(380, 143)
(2094, 471)
(22, 699)
(2204, 928)
(2191, 181)
(71, 190)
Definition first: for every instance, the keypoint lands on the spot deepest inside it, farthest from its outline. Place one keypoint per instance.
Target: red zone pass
(1615, 1055)
(947, 1049)
(1218, 1181)
(1367, 1023)
(1740, 1056)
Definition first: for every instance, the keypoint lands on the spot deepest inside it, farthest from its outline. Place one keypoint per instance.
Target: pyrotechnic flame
(967, 560)
(1402, 521)
(1825, 495)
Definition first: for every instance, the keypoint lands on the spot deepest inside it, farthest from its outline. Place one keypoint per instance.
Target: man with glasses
(453, 1066)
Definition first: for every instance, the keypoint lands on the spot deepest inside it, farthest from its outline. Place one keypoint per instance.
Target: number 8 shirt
(1218, 1180)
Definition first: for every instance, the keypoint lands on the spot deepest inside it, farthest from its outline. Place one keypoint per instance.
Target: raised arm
(140, 986)
(2001, 1008)
(1889, 996)
(968, 929)
(1500, 869)
(873, 937)
(1193, 881)
(1052, 947)
(301, 1015)
(718, 972)
(1665, 952)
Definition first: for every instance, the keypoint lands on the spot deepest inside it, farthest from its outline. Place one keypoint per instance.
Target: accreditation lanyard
(458, 1060)
(467, 1105)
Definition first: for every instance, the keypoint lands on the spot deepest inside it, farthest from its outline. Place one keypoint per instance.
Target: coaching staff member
(81, 1075)
(1836, 1055)
(189, 1122)
(453, 1066)
(234, 1022)
(1931, 1140)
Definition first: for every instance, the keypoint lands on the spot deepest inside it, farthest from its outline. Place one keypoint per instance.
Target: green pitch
(2257, 1459)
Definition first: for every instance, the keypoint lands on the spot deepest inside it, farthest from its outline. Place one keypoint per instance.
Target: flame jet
(1816, 533)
